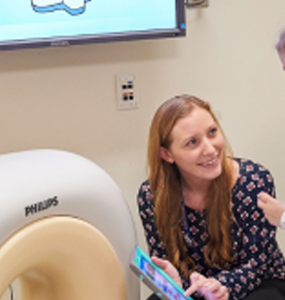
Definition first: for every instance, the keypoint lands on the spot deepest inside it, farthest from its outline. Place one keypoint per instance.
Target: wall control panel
(127, 97)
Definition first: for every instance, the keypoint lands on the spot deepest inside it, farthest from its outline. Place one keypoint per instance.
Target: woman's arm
(272, 208)
(257, 257)
(146, 212)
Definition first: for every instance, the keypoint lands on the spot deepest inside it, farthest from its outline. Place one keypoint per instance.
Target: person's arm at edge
(273, 209)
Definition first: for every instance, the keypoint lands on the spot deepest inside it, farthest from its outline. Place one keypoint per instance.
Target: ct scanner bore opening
(61, 258)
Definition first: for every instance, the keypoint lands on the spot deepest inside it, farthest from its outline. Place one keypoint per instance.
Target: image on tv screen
(32, 21)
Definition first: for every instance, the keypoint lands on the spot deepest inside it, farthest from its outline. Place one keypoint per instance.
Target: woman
(199, 208)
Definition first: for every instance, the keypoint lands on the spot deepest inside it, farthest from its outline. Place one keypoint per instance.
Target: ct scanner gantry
(66, 232)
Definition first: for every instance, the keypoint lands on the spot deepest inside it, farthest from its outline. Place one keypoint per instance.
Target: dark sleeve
(146, 211)
(258, 256)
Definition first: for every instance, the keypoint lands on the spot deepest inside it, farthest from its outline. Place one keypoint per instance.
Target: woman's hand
(210, 288)
(168, 268)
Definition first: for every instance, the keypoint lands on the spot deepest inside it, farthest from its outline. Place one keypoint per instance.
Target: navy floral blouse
(256, 255)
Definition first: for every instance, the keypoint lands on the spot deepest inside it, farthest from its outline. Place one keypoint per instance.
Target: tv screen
(43, 23)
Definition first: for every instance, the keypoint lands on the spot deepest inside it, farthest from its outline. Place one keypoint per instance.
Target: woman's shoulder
(249, 168)
(144, 193)
(145, 201)
(253, 178)
(144, 187)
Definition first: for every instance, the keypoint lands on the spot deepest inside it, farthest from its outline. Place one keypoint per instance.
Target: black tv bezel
(179, 30)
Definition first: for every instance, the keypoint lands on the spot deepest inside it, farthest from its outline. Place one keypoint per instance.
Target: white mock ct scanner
(66, 232)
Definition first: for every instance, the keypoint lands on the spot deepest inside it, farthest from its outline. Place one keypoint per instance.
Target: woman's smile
(210, 163)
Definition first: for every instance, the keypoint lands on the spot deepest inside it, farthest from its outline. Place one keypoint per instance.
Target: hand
(168, 268)
(272, 208)
(210, 288)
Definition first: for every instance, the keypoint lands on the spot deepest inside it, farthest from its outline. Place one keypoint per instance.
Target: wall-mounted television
(45, 23)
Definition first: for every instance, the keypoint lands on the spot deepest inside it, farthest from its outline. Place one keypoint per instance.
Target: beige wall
(64, 98)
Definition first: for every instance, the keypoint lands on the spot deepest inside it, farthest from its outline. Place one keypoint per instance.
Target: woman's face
(197, 147)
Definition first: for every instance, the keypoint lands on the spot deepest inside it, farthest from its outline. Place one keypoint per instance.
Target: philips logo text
(34, 208)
